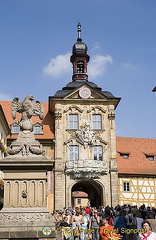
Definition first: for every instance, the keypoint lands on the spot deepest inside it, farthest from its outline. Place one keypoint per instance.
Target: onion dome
(79, 47)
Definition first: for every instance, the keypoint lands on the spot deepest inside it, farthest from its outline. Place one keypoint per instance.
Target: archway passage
(93, 189)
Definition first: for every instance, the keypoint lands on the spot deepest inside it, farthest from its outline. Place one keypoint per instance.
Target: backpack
(129, 219)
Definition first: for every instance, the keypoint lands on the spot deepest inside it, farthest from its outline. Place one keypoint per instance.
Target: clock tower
(79, 58)
(85, 146)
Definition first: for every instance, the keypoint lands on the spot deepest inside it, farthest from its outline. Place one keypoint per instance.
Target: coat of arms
(85, 135)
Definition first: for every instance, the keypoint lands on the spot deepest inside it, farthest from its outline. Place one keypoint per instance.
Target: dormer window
(80, 67)
(124, 155)
(15, 128)
(150, 156)
(37, 128)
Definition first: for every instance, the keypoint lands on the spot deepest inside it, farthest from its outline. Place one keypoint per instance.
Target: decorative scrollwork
(86, 169)
(73, 107)
(96, 107)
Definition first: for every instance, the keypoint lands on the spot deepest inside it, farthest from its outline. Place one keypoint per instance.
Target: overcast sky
(36, 39)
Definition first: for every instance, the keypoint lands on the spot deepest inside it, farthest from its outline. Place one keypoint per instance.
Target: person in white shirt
(146, 233)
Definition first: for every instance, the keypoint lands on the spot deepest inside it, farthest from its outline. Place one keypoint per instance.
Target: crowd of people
(122, 222)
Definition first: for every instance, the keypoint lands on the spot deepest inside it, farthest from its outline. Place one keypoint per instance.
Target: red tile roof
(48, 121)
(80, 194)
(138, 149)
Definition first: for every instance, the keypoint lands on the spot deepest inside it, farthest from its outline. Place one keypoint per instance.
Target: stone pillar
(114, 183)
(25, 212)
(50, 187)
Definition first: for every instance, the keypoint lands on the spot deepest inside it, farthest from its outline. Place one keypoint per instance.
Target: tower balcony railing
(86, 169)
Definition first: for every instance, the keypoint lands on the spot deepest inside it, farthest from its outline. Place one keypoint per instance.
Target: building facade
(78, 134)
(137, 171)
(85, 147)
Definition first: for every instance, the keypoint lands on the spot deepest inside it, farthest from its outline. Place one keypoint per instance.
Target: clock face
(84, 92)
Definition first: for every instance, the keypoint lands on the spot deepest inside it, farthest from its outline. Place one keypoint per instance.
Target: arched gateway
(93, 189)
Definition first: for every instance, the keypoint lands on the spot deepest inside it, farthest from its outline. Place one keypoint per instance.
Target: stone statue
(85, 135)
(26, 170)
(27, 109)
(26, 145)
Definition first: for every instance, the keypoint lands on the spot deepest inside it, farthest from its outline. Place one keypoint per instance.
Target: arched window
(80, 67)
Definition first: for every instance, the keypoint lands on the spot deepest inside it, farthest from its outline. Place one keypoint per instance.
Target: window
(126, 186)
(15, 128)
(73, 121)
(37, 128)
(74, 152)
(98, 153)
(80, 67)
(150, 157)
(124, 155)
(97, 122)
(79, 201)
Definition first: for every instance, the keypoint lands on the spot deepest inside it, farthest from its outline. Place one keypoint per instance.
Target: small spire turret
(79, 58)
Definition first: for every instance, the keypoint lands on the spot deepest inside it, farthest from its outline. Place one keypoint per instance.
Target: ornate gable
(85, 92)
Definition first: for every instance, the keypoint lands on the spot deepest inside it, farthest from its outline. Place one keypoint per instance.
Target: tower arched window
(80, 67)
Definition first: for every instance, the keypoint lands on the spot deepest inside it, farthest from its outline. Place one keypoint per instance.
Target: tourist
(88, 211)
(94, 225)
(131, 223)
(68, 215)
(106, 230)
(120, 223)
(65, 229)
(84, 231)
(139, 220)
(147, 234)
(77, 221)
(57, 219)
(152, 221)
(143, 211)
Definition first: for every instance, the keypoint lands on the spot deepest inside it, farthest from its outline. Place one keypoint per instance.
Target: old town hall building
(78, 134)
(85, 148)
